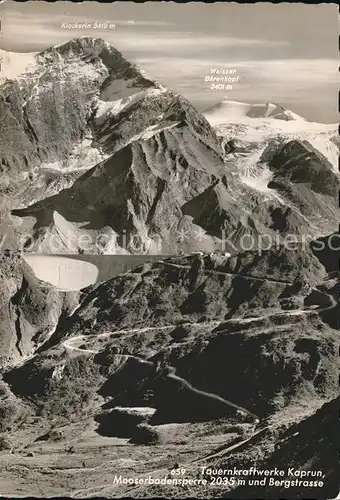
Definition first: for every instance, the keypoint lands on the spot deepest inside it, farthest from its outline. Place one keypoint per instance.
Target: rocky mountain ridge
(88, 121)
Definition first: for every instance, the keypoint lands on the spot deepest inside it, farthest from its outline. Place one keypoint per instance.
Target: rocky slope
(47, 112)
(312, 443)
(192, 344)
(30, 309)
(84, 99)
(97, 157)
(138, 191)
(217, 300)
(285, 164)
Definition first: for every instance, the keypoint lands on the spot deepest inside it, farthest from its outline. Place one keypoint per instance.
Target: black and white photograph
(169, 250)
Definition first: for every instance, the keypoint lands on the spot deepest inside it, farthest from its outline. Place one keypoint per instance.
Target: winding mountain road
(75, 343)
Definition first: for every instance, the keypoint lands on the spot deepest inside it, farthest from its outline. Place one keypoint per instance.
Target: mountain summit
(227, 110)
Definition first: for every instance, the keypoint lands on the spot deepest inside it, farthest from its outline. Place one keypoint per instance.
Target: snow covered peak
(93, 56)
(256, 125)
(28, 68)
(82, 48)
(232, 111)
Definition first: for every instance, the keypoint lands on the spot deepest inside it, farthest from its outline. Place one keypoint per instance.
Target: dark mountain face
(140, 189)
(51, 115)
(307, 179)
(56, 105)
(300, 163)
(327, 250)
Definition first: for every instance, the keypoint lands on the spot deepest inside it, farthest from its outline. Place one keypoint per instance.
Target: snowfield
(235, 110)
(109, 108)
(83, 157)
(255, 125)
(258, 129)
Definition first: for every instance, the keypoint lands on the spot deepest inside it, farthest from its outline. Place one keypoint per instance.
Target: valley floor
(90, 466)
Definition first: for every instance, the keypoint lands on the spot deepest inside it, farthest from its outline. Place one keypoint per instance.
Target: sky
(283, 53)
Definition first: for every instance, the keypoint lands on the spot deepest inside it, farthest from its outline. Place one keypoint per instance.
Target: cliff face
(84, 97)
(30, 310)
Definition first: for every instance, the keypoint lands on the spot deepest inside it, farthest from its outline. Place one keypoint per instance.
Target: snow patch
(83, 157)
(155, 129)
(259, 180)
(107, 109)
(250, 134)
(327, 147)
